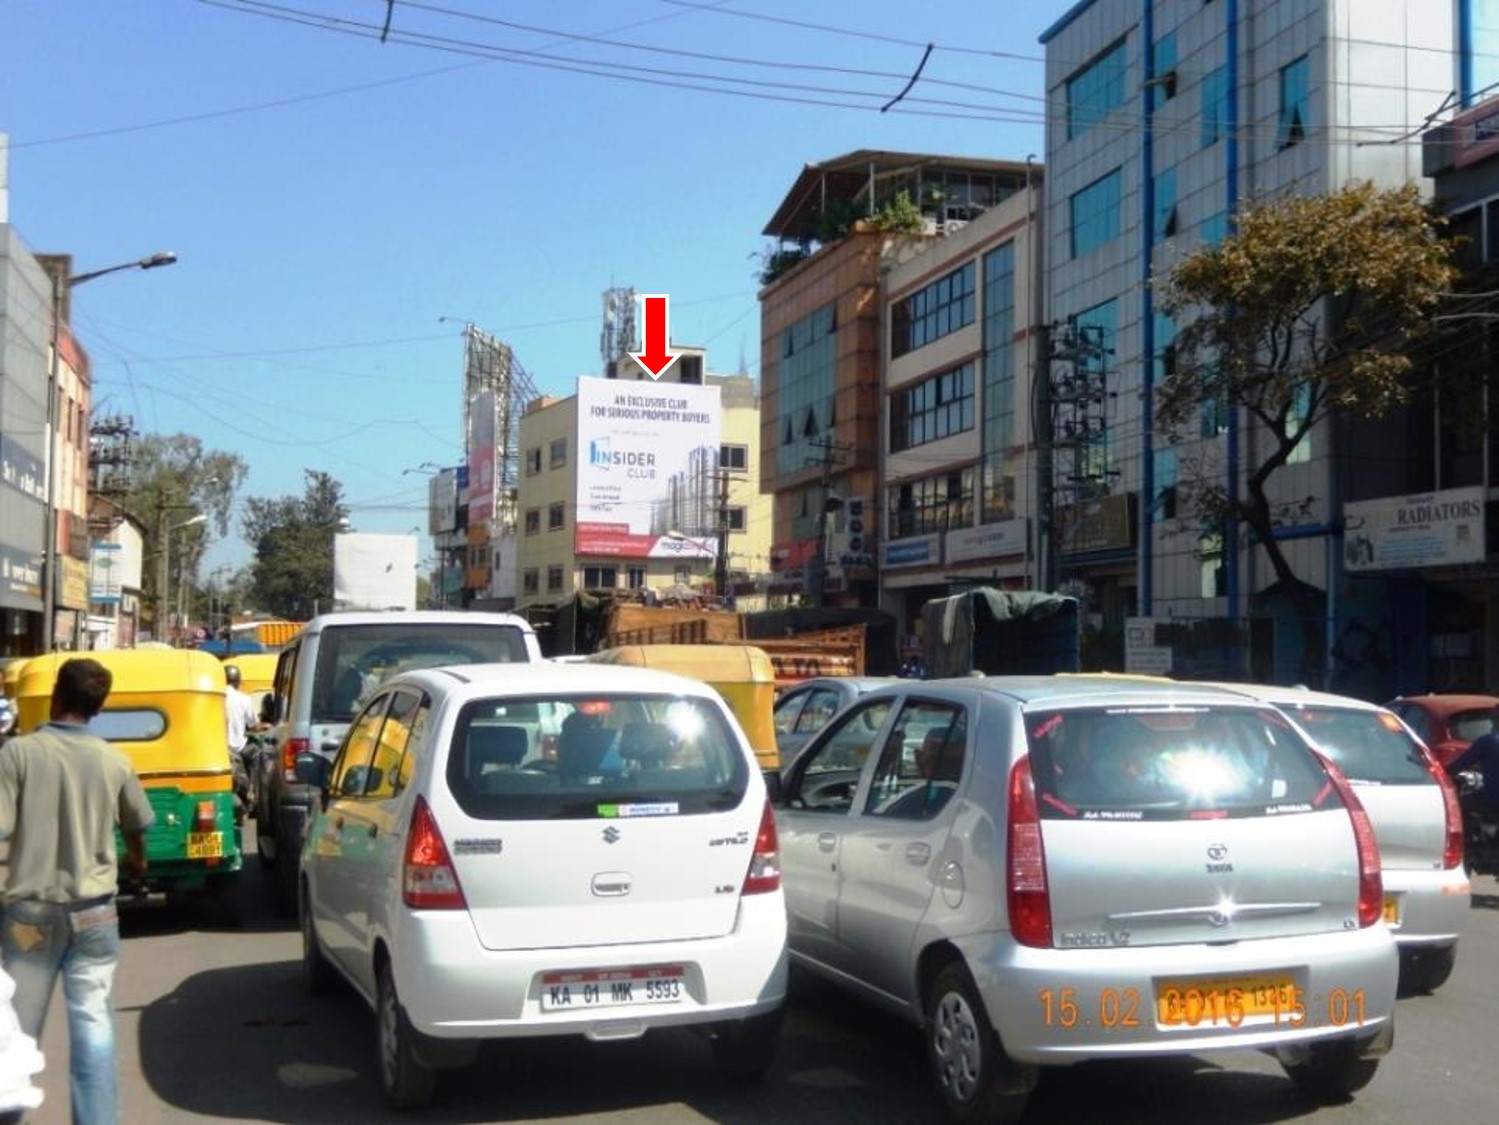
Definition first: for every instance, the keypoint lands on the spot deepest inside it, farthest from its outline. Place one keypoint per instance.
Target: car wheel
(967, 1059)
(1426, 970)
(284, 875)
(265, 832)
(1330, 1072)
(744, 1049)
(317, 974)
(408, 1082)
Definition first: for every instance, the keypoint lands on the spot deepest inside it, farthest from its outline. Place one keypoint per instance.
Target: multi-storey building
(1163, 119)
(957, 440)
(821, 346)
(649, 526)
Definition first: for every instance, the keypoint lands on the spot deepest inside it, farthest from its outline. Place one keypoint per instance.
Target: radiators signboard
(1403, 532)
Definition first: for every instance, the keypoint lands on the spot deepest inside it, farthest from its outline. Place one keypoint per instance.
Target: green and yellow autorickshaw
(166, 712)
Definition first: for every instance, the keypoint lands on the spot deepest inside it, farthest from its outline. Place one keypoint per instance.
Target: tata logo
(611, 835)
(1217, 851)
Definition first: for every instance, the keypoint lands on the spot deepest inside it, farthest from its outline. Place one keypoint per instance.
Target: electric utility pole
(721, 560)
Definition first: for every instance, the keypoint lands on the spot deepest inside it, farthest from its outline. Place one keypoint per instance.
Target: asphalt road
(214, 1025)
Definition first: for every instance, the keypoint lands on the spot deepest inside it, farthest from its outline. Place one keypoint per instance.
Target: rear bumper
(1345, 981)
(453, 988)
(1431, 905)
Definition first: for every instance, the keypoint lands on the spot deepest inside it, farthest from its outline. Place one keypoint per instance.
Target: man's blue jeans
(41, 941)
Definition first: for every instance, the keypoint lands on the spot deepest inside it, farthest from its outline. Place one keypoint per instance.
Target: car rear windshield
(1369, 746)
(594, 756)
(354, 660)
(1173, 763)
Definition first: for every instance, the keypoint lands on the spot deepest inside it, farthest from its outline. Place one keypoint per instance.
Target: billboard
(442, 502)
(647, 469)
(481, 482)
(1408, 532)
(373, 571)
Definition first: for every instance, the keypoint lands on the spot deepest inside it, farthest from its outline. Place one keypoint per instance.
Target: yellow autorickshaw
(742, 674)
(166, 712)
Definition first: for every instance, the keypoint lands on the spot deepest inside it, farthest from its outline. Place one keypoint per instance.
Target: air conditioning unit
(952, 226)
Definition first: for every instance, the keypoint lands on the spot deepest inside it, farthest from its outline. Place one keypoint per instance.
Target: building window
(998, 434)
(682, 576)
(689, 369)
(1213, 413)
(554, 579)
(1215, 228)
(803, 378)
(530, 581)
(1214, 106)
(1295, 102)
(1164, 225)
(1301, 406)
(557, 455)
(1095, 213)
(533, 521)
(733, 457)
(1094, 90)
(1163, 70)
(600, 577)
(938, 503)
(1214, 575)
(933, 311)
(533, 461)
(635, 577)
(932, 409)
(1164, 501)
(556, 517)
(735, 518)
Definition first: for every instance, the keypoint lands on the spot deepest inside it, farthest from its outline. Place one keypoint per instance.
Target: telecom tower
(621, 334)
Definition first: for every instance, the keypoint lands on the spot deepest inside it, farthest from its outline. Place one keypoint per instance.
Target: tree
(172, 479)
(292, 537)
(1307, 311)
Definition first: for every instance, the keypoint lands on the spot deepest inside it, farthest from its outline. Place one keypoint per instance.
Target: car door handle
(918, 853)
(374, 831)
(826, 841)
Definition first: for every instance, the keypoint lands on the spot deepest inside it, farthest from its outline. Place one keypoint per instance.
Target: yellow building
(686, 506)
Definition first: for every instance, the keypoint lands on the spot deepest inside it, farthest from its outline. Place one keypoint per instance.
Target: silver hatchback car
(1417, 821)
(1044, 870)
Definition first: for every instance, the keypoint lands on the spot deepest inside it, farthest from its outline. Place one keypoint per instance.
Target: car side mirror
(1468, 781)
(313, 769)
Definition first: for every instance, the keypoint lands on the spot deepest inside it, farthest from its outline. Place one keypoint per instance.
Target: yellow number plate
(1224, 1002)
(205, 845)
(1391, 910)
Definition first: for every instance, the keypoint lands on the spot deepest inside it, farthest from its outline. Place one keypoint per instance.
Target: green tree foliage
(898, 215)
(292, 537)
(173, 479)
(1308, 310)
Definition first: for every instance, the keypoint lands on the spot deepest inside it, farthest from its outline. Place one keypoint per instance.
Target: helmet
(231, 673)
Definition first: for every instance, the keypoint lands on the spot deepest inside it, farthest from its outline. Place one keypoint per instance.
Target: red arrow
(657, 356)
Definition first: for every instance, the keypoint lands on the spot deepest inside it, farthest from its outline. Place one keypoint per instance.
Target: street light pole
(62, 282)
(163, 570)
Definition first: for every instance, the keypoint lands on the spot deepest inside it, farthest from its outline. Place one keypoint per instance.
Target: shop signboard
(1406, 532)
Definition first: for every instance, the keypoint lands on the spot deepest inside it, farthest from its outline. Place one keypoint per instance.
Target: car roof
(544, 677)
(1447, 704)
(1073, 689)
(1302, 696)
(414, 617)
(860, 684)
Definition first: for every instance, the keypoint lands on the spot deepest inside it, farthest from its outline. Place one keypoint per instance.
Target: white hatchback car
(1044, 870)
(1417, 821)
(476, 879)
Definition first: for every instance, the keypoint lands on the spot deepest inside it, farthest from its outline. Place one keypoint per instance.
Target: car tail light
(289, 751)
(428, 879)
(1028, 896)
(1370, 881)
(1452, 849)
(205, 816)
(765, 865)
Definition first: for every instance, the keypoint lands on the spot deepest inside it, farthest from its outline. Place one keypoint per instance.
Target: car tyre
(1426, 970)
(745, 1049)
(967, 1059)
(317, 974)
(1330, 1072)
(408, 1082)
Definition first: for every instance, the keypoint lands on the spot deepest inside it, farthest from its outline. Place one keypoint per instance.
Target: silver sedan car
(1044, 870)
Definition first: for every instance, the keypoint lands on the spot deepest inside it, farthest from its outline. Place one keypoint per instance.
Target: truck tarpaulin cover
(1000, 632)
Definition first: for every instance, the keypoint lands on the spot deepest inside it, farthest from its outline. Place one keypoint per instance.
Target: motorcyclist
(242, 720)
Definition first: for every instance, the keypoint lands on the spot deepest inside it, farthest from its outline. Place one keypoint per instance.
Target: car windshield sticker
(660, 808)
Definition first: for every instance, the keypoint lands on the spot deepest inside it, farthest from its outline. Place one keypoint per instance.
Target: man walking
(63, 791)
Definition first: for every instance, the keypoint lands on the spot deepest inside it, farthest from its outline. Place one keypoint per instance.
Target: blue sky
(368, 190)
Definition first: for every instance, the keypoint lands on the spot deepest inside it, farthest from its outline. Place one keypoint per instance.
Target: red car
(1446, 723)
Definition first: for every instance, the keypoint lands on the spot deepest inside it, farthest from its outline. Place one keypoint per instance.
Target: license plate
(1226, 1001)
(612, 988)
(205, 845)
(1392, 910)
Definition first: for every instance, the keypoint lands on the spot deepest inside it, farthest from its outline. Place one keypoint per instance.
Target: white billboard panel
(372, 571)
(481, 474)
(647, 469)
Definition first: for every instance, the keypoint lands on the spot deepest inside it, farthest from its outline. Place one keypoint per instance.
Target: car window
(1419, 721)
(1468, 725)
(354, 660)
(787, 708)
(821, 706)
(1176, 763)
(1366, 745)
(388, 774)
(829, 773)
(611, 756)
(351, 767)
(921, 763)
